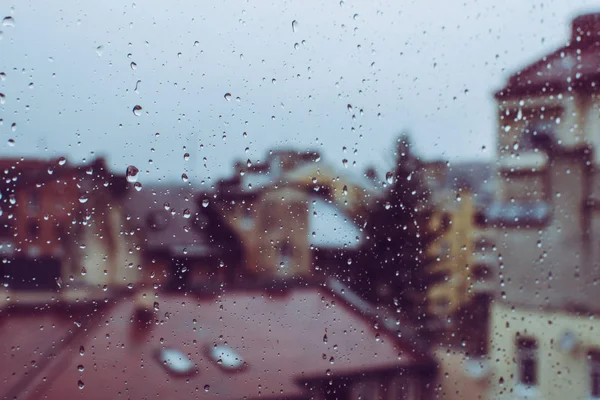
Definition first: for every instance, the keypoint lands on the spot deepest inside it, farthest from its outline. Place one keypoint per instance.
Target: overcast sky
(426, 66)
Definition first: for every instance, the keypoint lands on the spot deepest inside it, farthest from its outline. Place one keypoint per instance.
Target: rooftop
(575, 65)
(109, 350)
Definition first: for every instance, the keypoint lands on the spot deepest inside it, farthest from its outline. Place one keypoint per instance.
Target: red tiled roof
(281, 339)
(575, 66)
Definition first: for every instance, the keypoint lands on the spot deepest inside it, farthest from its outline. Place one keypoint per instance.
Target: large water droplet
(294, 26)
(137, 186)
(80, 384)
(132, 173)
(83, 199)
(80, 368)
(184, 177)
(81, 350)
(227, 96)
(8, 21)
(187, 213)
(205, 203)
(137, 110)
(133, 65)
(389, 177)
(206, 388)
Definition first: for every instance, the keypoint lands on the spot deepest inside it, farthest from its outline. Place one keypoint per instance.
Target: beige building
(545, 320)
(288, 213)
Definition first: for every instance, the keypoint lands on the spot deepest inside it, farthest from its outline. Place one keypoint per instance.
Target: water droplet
(206, 388)
(62, 161)
(186, 156)
(2, 98)
(11, 142)
(80, 368)
(205, 203)
(8, 21)
(349, 106)
(83, 199)
(196, 43)
(345, 163)
(184, 177)
(187, 213)
(59, 282)
(83, 271)
(137, 110)
(389, 177)
(133, 65)
(99, 50)
(296, 46)
(137, 186)
(13, 127)
(156, 306)
(167, 206)
(80, 384)
(324, 338)
(132, 173)
(227, 96)
(81, 350)
(294, 26)
(355, 17)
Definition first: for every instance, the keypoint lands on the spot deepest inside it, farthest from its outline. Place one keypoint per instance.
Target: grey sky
(427, 66)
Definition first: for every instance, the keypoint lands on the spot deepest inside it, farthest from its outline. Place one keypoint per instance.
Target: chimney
(586, 29)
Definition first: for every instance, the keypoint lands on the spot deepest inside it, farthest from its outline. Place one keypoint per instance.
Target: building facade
(64, 228)
(547, 302)
(287, 217)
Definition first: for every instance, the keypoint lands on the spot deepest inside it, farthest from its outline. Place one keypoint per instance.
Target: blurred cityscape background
(294, 276)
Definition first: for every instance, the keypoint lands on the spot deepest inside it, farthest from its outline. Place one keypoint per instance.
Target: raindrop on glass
(8, 21)
(132, 173)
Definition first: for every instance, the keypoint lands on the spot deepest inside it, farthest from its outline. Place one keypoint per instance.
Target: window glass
(300, 200)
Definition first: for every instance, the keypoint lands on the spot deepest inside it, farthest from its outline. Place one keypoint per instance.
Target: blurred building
(461, 253)
(544, 324)
(63, 228)
(289, 216)
(302, 343)
(172, 230)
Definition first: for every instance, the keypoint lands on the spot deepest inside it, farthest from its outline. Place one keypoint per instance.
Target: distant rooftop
(575, 65)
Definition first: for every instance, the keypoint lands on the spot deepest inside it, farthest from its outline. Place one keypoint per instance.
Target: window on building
(527, 361)
(481, 272)
(285, 254)
(33, 229)
(594, 368)
(6, 229)
(34, 201)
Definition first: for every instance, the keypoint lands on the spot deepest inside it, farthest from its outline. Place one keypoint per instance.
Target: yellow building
(453, 220)
(544, 340)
